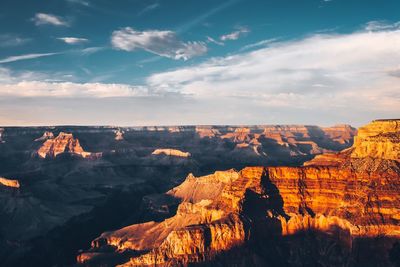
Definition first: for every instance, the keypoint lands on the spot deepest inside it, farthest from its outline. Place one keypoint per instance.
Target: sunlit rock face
(46, 135)
(347, 197)
(379, 139)
(63, 143)
(9, 182)
(171, 152)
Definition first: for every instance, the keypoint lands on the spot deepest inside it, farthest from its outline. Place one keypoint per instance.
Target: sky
(189, 62)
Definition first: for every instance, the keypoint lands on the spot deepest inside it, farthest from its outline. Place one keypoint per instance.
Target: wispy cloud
(26, 57)
(70, 89)
(162, 43)
(149, 8)
(259, 44)
(12, 40)
(196, 21)
(43, 18)
(73, 40)
(381, 25)
(235, 35)
(80, 2)
(92, 50)
(212, 40)
(321, 72)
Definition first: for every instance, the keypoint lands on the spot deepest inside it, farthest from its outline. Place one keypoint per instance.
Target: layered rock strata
(64, 143)
(350, 195)
(171, 152)
(9, 182)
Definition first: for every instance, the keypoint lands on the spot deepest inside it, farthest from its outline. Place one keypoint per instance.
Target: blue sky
(199, 62)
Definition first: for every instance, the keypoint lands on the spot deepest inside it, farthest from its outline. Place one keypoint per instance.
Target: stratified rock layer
(63, 143)
(171, 152)
(9, 182)
(350, 195)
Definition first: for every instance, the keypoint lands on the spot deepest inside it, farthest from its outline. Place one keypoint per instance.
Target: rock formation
(119, 135)
(171, 152)
(9, 183)
(46, 135)
(63, 143)
(350, 195)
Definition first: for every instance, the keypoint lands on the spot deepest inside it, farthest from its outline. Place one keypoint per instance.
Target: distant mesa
(171, 152)
(119, 135)
(46, 135)
(64, 143)
(9, 182)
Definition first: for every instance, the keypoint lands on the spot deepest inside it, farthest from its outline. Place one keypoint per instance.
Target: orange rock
(9, 182)
(171, 152)
(355, 196)
(63, 143)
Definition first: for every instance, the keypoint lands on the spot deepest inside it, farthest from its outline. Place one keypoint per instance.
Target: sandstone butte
(63, 143)
(9, 183)
(354, 193)
(171, 152)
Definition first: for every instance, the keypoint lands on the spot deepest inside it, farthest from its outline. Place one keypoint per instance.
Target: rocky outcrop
(347, 197)
(9, 182)
(379, 139)
(46, 135)
(119, 135)
(64, 143)
(171, 152)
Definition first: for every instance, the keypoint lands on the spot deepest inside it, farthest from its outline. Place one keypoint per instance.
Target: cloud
(353, 72)
(26, 57)
(234, 35)
(73, 40)
(259, 44)
(12, 40)
(80, 2)
(212, 40)
(162, 43)
(149, 8)
(324, 78)
(381, 25)
(42, 18)
(70, 89)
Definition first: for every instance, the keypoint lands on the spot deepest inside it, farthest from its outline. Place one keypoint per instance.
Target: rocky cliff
(352, 196)
(9, 182)
(63, 143)
(171, 152)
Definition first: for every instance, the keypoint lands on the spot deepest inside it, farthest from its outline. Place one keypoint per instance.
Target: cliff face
(379, 139)
(63, 143)
(351, 196)
(9, 182)
(171, 152)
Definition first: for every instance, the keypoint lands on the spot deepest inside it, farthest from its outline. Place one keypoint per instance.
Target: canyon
(348, 196)
(182, 195)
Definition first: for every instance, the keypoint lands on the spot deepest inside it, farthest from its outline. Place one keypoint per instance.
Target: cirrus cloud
(73, 40)
(162, 43)
(43, 18)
